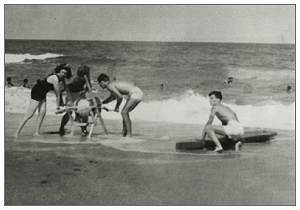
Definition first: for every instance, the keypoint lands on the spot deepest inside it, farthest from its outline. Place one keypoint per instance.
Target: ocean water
(187, 72)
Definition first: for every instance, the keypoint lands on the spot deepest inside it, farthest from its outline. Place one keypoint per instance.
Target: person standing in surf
(25, 83)
(76, 88)
(117, 90)
(230, 127)
(38, 96)
(8, 82)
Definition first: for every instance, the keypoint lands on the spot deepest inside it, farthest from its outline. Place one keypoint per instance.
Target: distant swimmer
(9, 82)
(38, 96)
(289, 89)
(25, 83)
(162, 86)
(117, 90)
(230, 127)
(229, 80)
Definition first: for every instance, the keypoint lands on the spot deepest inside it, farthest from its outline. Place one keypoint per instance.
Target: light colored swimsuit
(233, 128)
(136, 93)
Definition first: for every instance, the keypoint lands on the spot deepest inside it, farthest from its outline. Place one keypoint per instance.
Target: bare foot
(238, 146)
(84, 133)
(15, 135)
(218, 149)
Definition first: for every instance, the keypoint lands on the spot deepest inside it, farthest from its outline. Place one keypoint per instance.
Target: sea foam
(189, 108)
(18, 58)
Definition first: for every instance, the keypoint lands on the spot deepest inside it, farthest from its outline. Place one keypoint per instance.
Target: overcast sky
(194, 23)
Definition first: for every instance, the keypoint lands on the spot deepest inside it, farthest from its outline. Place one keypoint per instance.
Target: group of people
(10, 84)
(76, 87)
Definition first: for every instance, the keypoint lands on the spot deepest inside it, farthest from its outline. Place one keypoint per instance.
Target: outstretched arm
(109, 99)
(209, 122)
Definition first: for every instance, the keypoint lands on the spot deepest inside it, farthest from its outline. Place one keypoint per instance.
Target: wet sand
(147, 171)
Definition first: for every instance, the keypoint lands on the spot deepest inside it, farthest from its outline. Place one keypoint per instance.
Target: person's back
(77, 84)
(225, 114)
(231, 126)
(124, 88)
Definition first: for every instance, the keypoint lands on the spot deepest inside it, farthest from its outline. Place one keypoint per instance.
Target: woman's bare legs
(40, 117)
(30, 112)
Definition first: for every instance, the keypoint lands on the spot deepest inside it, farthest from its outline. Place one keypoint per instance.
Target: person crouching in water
(230, 127)
(38, 96)
(117, 90)
(76, 88)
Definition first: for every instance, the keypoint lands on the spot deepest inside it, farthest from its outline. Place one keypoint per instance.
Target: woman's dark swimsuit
(40, 90)
(77, 85)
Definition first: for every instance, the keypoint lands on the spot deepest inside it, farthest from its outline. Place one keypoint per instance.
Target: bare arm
(54, 81)
(209, 122)
(116, 93)
(236, 117)
(109, 99)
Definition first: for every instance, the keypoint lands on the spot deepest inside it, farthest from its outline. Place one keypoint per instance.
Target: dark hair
(65, 66)
(103, 77)
(217, 94)
(25, 80)
(83, 70)
(8, 78)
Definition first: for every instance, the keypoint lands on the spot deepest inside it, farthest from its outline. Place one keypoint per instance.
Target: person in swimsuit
(25, 83)
(117, 90)
(8, 82)
(230, 127)
(38, 96)
(76, 88)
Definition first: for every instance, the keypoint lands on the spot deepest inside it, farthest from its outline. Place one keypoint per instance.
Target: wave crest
(189, 108)
(18, 58)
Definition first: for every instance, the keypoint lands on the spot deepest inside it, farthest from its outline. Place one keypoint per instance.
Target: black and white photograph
(149, 104)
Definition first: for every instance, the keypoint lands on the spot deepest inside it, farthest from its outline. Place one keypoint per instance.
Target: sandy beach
(144, 171)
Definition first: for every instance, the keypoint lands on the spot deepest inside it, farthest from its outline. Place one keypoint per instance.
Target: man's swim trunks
(233, 128)
(136, 93)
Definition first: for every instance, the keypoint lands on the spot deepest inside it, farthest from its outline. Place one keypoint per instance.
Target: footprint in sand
(44, 182)
(101, 177)
(76, 169)
(69, 174)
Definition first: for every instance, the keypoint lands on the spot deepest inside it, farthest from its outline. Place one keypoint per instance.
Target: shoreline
(151, 122)
(96, 174)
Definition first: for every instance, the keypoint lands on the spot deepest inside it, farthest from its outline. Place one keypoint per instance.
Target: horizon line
(92, 40)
